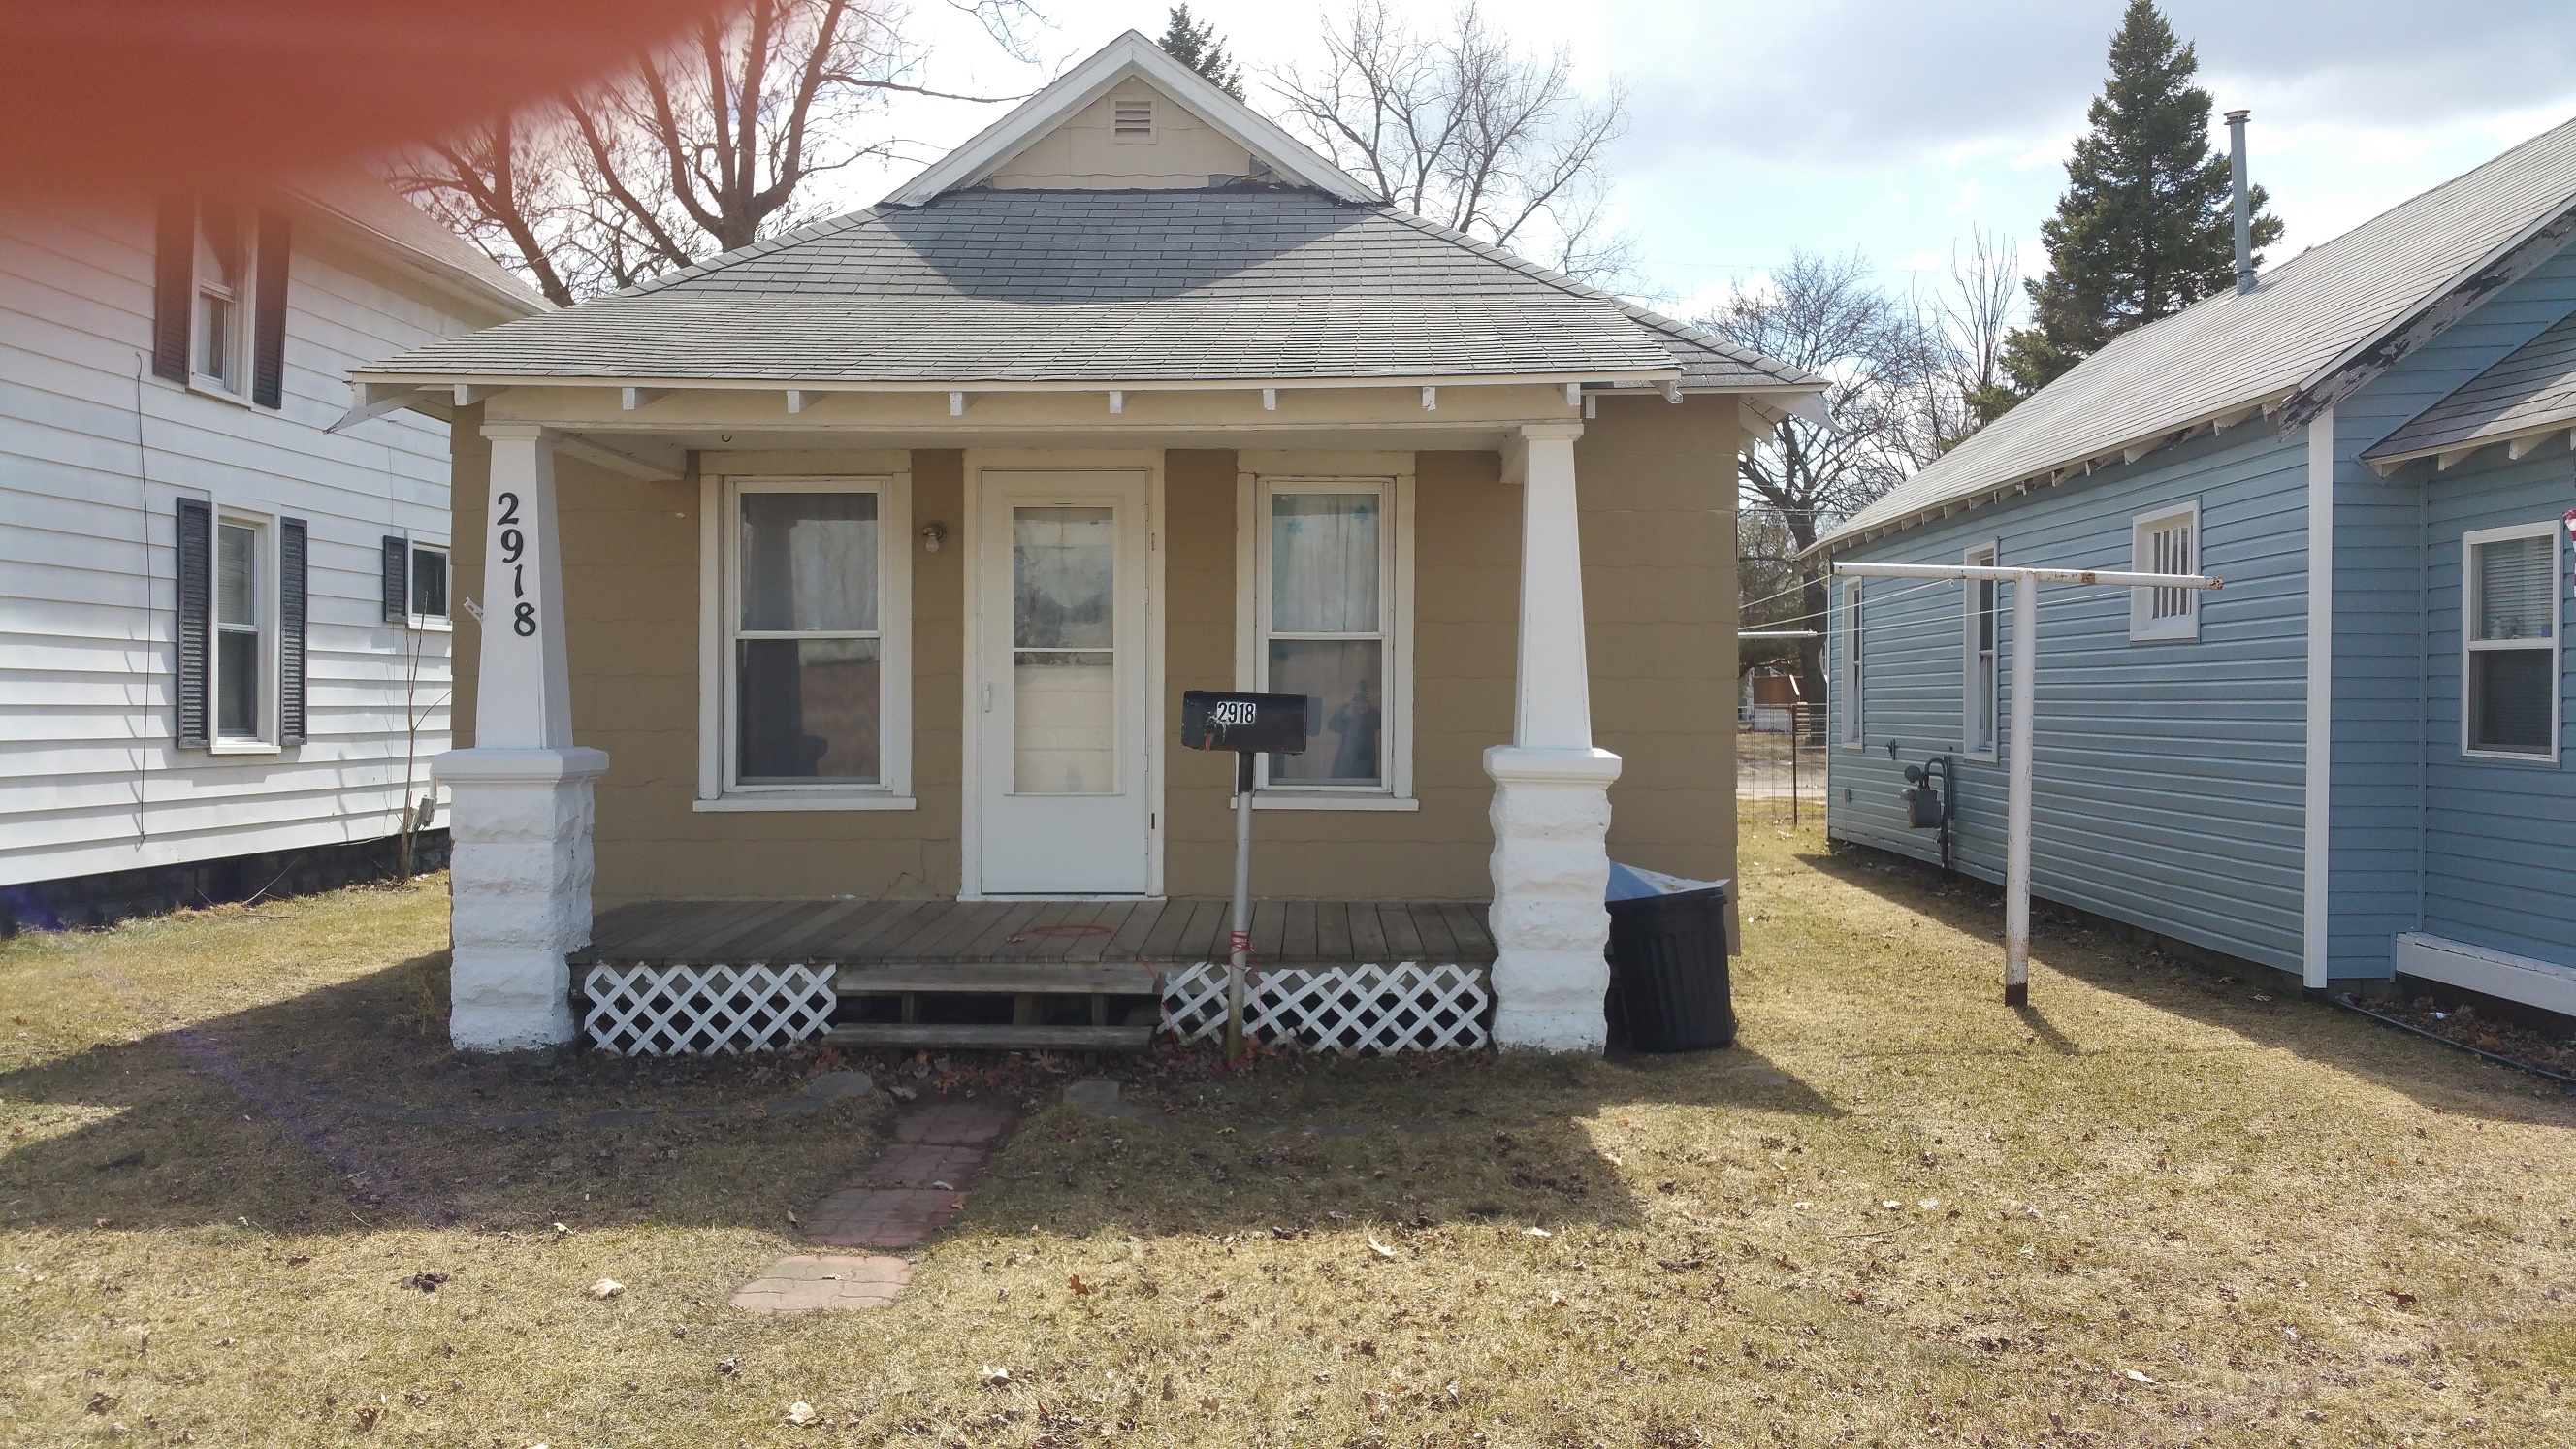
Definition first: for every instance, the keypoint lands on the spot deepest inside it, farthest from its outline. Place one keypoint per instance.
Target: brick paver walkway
(898, 1200)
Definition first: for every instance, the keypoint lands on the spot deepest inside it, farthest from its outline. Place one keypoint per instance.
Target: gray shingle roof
(2229, 351)
(1102, 287)
(2534, 387)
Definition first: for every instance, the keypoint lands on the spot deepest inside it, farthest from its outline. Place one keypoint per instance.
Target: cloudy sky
(1891, 127)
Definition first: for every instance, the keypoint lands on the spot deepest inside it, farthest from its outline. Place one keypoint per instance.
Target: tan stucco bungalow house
(836, 594)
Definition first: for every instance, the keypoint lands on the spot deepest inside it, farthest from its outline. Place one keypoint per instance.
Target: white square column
(520, 872)
(1551, 808)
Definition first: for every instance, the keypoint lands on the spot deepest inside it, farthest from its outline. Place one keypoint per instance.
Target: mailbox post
(1249, 725)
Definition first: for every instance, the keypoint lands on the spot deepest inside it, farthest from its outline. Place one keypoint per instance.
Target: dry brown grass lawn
(2157, 1207)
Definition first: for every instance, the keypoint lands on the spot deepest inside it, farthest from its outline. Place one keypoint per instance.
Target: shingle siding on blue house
(2169, 778)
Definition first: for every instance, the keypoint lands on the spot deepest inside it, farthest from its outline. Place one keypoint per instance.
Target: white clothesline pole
(2025, 673)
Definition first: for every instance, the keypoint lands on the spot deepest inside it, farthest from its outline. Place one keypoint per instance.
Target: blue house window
(2509, 643)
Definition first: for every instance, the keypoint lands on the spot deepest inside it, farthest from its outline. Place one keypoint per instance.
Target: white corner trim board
(2531, 981)
(2316, 938)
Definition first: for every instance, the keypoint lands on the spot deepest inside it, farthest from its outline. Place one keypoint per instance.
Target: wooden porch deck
(920, 933)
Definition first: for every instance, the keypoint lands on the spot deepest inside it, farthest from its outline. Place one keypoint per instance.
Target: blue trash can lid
(1632, 883)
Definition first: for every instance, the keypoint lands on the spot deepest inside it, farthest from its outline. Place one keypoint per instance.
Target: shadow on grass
(2256, 1003)
(1309, 1144)
(343, 1109)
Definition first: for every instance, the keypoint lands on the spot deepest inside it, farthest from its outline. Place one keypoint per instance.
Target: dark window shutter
(196, 608)
(268, 303)
(174, 286)
(291, 550)
(397, 578)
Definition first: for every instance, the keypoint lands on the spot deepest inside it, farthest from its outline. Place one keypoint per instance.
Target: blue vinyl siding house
(2349, 762)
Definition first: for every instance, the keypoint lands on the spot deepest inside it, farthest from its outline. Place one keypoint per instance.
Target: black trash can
(1668, 971)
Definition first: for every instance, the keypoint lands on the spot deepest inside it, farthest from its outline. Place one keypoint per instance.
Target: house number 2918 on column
(514, 547)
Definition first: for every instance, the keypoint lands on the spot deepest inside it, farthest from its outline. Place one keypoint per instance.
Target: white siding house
(202, 663)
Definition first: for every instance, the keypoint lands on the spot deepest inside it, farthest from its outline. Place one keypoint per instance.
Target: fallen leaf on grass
(2402, 1300)
(1080, 1288)
(425, 1282)
(606, 1288)
(801, 1412)
(993, 1377)
(1381, 1249)
(1538, 1233)
(2135, 1377)
(729, 1366)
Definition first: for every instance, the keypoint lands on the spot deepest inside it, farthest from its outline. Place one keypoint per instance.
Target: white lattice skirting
(1337, 1008)
(658, 1011)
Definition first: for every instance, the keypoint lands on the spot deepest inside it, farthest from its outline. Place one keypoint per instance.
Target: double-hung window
(1327, 618)
(2509, 656)
(2165, 542)
(811, 643)
(1854, 729)
(219, 275)
(1978, 682)
(222, 297)
(241, 632)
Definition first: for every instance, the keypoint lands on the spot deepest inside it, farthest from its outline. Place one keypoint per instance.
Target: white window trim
(1393, 473)
(217, 743)
(1972, 593)
(718, 591)
(2469, 543)
(2185, 627)
(1855, 731)
(245, 300)
(428, 623)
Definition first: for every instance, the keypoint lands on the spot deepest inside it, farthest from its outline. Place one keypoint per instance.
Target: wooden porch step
(1057, 1038)
(1038, 980)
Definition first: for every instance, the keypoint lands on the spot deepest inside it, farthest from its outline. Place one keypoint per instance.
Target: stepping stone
(876, 1217)
(952, 1124)
(1098, 1097)
(810, 1283)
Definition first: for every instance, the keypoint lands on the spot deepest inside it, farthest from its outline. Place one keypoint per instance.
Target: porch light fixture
(1430, 399)
(957, 404)
(1117, 402)
(933, 534)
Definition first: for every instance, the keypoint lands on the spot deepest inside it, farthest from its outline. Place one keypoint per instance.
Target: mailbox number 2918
(514, 547)
(1234, 712)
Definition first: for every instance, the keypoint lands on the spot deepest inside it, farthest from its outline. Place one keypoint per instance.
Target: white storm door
(1067, 807)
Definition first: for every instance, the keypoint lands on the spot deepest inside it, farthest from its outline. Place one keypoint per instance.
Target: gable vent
(1132, 119)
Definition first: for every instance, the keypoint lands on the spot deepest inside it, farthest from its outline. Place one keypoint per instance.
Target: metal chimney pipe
(2244, 200)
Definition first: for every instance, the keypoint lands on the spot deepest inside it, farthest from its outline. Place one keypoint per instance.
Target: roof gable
(1065, 131)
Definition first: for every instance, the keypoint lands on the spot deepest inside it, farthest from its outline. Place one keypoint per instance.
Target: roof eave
(2131, 450)
(2501, 267)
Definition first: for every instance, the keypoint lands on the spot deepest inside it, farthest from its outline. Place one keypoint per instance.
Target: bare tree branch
(1466, 131)
(705, 147)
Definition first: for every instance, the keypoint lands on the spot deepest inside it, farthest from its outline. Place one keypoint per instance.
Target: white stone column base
(519, 891)
(1551, 866)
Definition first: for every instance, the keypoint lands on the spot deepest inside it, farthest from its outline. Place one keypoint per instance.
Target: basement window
(1132, 120)
(2509, 642)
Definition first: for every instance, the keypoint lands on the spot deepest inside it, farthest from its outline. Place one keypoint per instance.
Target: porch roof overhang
(644, 427)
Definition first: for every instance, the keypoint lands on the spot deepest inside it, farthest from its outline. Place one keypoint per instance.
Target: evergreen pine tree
(1194, 43)
(2146, 226)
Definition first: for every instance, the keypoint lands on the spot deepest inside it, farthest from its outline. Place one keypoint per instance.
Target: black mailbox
(1259, 723)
